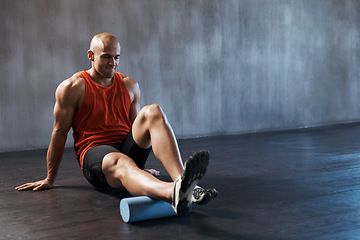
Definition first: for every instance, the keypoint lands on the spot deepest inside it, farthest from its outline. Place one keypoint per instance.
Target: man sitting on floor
(113, 137)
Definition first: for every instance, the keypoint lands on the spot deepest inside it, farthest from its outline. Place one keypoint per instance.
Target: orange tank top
(103, 117)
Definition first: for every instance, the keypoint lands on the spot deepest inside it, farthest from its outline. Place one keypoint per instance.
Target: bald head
(104, 54)
(102, 40)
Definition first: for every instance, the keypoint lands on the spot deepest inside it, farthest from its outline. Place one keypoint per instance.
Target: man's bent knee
(114, 161)
(154, 113)
(114, 166)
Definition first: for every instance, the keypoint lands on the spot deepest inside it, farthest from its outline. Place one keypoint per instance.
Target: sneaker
(202, 196)
(195, 168)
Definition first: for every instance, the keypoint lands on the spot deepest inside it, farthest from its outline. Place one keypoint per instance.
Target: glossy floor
(302, 184)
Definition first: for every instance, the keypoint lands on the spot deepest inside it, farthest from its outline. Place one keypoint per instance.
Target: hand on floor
(35, 186)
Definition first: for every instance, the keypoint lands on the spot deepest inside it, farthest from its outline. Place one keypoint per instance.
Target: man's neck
(98, 79)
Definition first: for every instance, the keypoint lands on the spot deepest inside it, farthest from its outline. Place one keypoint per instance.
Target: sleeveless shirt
(103, 117)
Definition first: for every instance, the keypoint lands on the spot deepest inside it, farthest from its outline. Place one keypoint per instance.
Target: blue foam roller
(142, 208)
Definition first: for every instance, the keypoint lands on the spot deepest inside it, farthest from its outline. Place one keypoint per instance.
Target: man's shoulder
(132, 86)
(75, 83)
(129, 82)
(75, 79)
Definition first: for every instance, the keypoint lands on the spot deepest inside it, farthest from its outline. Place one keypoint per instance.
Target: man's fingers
(153, 172)
(35, 186)
(43, 186)
(23, 187)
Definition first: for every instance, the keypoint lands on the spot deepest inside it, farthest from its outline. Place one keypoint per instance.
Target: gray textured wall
(215, 66)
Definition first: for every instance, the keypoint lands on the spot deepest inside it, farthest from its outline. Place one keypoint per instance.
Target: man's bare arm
(134, 91)
(68, 95)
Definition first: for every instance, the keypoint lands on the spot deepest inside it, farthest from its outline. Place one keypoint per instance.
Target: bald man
(113, 137)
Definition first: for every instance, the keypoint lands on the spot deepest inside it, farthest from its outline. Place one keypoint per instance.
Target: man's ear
(90, 55)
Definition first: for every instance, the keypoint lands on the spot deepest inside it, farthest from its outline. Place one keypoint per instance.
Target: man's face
(106, 59)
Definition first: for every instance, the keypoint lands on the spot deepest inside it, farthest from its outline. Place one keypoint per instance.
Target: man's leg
(165, 146)
(152, 128)
(121, 171)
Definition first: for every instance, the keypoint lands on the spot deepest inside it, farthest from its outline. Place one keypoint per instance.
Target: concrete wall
(215, 66)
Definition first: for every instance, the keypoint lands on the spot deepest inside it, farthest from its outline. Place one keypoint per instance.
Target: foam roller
(143, 208)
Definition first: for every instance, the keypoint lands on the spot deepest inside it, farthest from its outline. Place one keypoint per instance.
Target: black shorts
(94, 157)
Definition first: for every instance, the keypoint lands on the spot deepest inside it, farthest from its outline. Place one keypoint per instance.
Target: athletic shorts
(94, 157)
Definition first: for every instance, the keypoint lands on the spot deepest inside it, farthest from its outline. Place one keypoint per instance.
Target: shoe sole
(195, 169)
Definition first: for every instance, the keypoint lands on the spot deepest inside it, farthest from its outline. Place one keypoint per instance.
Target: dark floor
(301, 184)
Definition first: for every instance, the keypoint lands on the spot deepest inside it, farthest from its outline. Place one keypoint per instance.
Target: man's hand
(153, 172)
(35, 186)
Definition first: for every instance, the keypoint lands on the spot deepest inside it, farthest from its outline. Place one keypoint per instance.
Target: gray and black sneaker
(202, 196)
(195, 168)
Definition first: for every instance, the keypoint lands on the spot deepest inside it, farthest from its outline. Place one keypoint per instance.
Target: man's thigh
(92, 166)
(93, 160)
